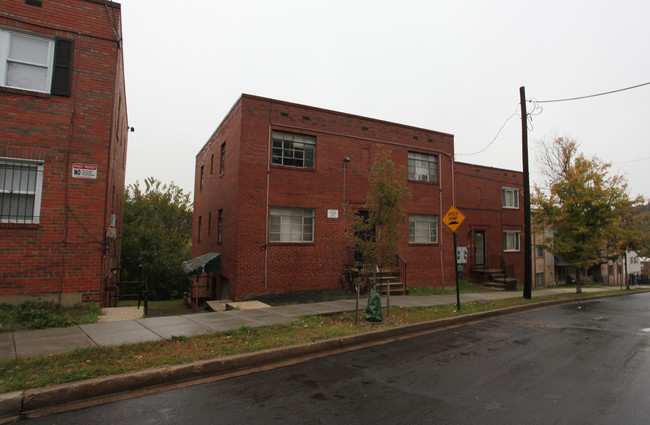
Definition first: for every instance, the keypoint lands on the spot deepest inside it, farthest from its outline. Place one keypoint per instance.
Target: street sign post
(453, 219)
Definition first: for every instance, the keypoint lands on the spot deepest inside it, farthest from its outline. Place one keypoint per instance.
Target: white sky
(450, 66)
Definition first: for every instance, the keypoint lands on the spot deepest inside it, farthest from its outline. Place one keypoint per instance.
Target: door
(366, 236)
(479, 248)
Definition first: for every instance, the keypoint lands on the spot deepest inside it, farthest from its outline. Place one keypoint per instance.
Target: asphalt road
(583, 363)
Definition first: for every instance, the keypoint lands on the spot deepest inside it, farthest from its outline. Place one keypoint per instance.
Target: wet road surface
(585, 363)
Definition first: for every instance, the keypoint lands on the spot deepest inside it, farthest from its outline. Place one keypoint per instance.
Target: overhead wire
(515, 114)
(593, 95)
(538, 109)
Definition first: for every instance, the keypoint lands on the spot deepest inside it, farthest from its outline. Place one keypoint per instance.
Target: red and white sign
(84, 171)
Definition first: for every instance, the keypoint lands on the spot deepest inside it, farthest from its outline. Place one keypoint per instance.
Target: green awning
(206, 263)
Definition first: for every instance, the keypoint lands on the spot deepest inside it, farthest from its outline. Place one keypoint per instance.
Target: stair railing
(401, 267)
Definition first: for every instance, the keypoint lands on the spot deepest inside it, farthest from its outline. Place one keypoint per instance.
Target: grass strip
(35, 372)
(45, 314)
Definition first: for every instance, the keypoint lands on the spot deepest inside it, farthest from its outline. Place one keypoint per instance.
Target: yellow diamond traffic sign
(453, 218)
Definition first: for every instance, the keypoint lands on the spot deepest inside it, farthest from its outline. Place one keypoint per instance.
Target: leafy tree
(638, 226)
(157, 233)
(583, 204)
(387, 192)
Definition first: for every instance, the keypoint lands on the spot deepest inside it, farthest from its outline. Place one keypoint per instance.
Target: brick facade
(479, 192)
(68, 254)
(250, 185)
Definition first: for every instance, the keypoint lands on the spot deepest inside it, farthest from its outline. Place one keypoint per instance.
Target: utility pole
(528, 258)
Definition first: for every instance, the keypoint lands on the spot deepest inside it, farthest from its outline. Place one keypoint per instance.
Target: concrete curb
(16, 403)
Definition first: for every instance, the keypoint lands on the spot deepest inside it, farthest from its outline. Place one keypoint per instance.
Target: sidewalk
(61, 340)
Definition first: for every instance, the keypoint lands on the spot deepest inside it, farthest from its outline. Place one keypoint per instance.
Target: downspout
(67, 170)
(266, 210)
(442, 261)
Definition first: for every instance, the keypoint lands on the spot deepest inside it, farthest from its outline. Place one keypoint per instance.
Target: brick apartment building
(272, 181)
(63, 142)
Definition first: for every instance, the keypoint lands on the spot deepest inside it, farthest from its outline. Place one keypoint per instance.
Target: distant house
(62, 150)
(277, 183)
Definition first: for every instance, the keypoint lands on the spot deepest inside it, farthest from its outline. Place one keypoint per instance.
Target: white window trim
(38, 190)
(413, 219)
(5, 39)
(292, 217)
(518, 240)
(515, 197)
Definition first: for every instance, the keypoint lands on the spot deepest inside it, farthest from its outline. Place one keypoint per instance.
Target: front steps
(497, 280)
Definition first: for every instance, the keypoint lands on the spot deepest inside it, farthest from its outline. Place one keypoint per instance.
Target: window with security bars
(20, 191)
(423, 228)
(292, 224)
(294, 150)
(423, 167)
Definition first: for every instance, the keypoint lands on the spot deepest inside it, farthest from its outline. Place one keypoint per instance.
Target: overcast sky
(450, 66)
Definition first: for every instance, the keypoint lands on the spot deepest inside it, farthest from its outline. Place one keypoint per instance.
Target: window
(539, 279)
(510, 197)
(35, 63)
(209, 223)
(539, 251)
(201, 179)
(211, 164)
(292, 224)
(423, 228)
(510, 240)
(21, 184)
(220, 226)
(198, 236)
(423, 167)
(295, 150)
(222, 163)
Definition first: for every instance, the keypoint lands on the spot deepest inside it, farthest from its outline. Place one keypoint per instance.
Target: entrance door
(479, 248)
(366, 236)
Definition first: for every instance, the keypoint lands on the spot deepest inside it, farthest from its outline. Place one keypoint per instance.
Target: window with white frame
(294, 150)
(511, 240)
(34, 63)
(423, 228)
(510, 197)
(423, 167)
(290, 224)
(21, 184)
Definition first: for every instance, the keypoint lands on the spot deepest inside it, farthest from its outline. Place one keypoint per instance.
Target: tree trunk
(578, 283)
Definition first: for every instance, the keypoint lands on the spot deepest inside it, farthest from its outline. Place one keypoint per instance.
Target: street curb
(17, 403)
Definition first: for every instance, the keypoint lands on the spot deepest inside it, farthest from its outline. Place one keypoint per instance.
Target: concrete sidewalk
(61, 340)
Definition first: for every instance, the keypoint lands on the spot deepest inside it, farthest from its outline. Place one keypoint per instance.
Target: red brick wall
(254, 266)
(479, 198)
(67, 252)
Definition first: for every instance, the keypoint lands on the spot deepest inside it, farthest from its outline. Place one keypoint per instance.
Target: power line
(593, 95)
(495, 137)
(631, 160)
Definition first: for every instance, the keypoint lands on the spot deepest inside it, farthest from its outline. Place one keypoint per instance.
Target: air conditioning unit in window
(423, 177)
